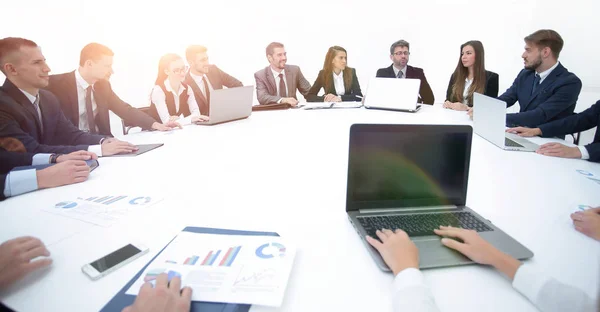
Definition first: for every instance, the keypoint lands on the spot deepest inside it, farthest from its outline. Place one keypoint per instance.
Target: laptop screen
(396, 166)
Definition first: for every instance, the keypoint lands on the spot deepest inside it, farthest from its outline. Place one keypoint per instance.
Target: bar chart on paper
(227, 258)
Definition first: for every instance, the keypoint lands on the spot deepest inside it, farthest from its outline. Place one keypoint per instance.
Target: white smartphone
(114, 260)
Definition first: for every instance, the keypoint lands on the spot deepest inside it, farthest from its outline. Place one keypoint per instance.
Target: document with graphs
(225, 268)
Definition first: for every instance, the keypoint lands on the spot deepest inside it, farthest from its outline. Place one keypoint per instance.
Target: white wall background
(237, 32)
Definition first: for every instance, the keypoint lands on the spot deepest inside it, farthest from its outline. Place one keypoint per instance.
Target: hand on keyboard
(396, 249)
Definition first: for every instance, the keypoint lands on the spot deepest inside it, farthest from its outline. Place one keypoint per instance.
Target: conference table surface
(285, 171)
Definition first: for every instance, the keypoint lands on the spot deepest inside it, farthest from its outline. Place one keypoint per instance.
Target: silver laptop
(414, 178)
(393, 94)
(229, 105)
(489, 122)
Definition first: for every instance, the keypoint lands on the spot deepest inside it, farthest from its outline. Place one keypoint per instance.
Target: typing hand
(329, 98)
(478, 249)
(200, 118)
(559, 150)
(456, 106)
(113, 146)
(164, 297)
(588, 222)
(396, 249)
(68, 172)
(525, 132)
(79, 155)
(16, 259)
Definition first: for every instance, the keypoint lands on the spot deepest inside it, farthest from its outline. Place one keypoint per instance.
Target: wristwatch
(53, 158)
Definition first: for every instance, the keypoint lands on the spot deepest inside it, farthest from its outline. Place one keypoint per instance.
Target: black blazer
(350, 95)
(18, 120)
(8, 161)
(491, 86)
(585, 120)
(425, 93)
(554, 98)
(64, 86)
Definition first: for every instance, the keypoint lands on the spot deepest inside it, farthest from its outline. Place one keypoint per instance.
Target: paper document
(226, 268)
(326, 105)
(102, 210)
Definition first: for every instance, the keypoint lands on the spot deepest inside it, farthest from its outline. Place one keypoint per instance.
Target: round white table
(285, 171)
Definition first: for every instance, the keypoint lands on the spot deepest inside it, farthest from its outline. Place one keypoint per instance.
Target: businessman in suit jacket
(33, 116)
(399, 54)
(546, 90)
(91, 79)
(203, 77)
(278, 82)
(585, 120)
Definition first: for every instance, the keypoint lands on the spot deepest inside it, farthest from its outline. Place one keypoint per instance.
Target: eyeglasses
(180, 70)
(399, 53)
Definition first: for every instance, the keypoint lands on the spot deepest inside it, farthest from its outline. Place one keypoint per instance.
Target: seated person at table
(278, 82)
(585, 120)
(399, 54)
(411, 294)
(470, 76)
(171, 99)
(86, 95)
(33, 116)
(546, 90)
(337, 80)
(204, 77)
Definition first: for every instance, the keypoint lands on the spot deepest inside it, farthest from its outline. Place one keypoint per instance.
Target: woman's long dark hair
(328, 69)
(163, 65)
(461, 73)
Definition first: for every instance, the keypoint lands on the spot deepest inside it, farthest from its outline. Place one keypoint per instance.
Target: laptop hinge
(408, 209)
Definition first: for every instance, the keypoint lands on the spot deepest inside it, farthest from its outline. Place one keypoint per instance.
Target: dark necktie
(206, 91)
(89, 111)
(36, 104)
(282, 92)
(536, 83)
(400, 74)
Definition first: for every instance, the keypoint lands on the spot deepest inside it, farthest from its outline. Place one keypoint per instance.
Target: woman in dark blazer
(469, 77)
(338, 80)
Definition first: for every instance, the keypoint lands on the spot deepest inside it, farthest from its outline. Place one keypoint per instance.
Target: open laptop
(414, 178)
(229, 105)
(393, 94)
(489, 120)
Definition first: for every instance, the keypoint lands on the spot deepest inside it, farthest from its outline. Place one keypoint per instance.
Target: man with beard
(546, 90)
(399, 54)
(87, 89)
(278, 82)
(204, 78)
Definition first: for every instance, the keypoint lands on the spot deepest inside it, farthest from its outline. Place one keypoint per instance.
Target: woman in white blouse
(546, 293)
(338, 80)
(171, 99)
(469, 77)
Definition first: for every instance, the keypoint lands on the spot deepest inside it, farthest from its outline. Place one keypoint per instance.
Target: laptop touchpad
(433, 254)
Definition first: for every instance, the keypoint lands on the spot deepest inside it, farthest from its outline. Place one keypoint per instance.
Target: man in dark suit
(88, 89)
(278, 82)
(204, 77)
(399, 54)
(33, 116)
(585, 120)
(546, 91)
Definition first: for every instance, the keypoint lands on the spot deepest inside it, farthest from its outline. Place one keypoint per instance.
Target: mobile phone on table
(92, 163)
(114, 260)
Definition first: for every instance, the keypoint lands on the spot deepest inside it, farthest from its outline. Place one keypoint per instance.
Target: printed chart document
(102, 210)
(226, 268)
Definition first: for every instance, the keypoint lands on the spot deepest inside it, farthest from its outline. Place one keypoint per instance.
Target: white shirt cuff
(20, 181)
(529, 282)
(410, 293)
(96, 149)
(584, 152)
(40, 159)
(409, 277)
(279, 101)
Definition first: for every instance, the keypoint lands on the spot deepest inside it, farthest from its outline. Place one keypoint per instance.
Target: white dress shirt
(396, 70)
(276, 75)
(338, 82)
(159, 99)
(96, 149)
(199, 81)
(82, 86)
(410, 293)
(546, 73)
(466, 90)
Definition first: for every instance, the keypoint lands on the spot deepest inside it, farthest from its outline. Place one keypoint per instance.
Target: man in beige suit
(277, 83)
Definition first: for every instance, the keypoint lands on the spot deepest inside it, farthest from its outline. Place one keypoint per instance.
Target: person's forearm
(506, 264)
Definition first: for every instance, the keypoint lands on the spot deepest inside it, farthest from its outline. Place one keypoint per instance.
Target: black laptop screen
(407, 166)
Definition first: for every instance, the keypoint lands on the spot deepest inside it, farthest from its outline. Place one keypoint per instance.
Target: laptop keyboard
(422, 224)
(511, 143)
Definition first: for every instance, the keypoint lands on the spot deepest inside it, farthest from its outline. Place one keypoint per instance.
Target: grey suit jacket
(266, 89)
(218, 79)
